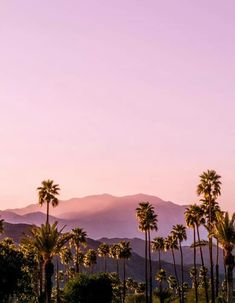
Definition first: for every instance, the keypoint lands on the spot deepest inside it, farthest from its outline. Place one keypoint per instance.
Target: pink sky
(116, 96)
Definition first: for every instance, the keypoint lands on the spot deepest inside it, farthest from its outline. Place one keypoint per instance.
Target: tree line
(32, 265)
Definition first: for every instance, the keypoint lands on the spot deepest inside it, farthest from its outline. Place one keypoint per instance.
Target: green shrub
(135, 298)
(89, 289)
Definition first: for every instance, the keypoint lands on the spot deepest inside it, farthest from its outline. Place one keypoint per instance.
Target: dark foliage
(89, 289)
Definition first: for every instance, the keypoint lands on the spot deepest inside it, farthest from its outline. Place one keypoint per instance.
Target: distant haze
(116, 96)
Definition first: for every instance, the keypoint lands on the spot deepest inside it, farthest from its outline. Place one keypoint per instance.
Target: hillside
(102, 215)
(135, 266)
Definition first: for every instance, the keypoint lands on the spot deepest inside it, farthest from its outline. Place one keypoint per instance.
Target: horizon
(116, 96)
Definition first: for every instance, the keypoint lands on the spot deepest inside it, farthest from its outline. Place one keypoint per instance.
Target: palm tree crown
(47, 194)
(209, 185)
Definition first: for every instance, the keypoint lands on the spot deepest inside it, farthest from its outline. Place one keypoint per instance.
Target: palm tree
(48, 241)
(209, 189)
(190, 218)
(90, 259)
(147, 220)
(179, 232)
(214, 209)
(66, 257)
(224, 231)
(103, 252)
(47, 194)
(158, 245)
(171, 243)
(125, 254)
(161, 293)
(78, 238)
(200, 220)
(114, 253)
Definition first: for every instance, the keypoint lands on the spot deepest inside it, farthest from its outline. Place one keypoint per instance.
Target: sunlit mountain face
(102, 215)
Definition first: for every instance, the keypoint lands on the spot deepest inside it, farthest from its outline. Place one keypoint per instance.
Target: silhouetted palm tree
(158, 245)
(103, 252)
(191, 218)
(48, 241)
(147, 220)
(214, 209)
(78, 238)
(179, 232)
(209, 189)
(47, 194)
(125, 254)
(114, 252)
(224, 231)
(200, 220)
(171, 244)
(90, 259)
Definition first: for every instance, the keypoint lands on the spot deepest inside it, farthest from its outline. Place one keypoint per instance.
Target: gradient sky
(116, 96)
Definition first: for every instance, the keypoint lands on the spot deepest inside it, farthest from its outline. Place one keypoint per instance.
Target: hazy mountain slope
(103, 215)
(134, 266)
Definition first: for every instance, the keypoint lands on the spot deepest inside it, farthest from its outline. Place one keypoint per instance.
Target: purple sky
(116, 96)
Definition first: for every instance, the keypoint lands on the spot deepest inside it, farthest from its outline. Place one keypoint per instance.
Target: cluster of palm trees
(221, 232)
(48, 242)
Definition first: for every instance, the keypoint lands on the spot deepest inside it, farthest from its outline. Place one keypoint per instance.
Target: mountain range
(102, 215)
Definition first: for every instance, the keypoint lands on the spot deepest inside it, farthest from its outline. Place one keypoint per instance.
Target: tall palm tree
(47, 194)
(200, 220)
(224, 231)
(158, 245)
(90, 259)
(66, 257)
(190, 218)
(171, 244)
(147, 220)
(78, 238)
(114, 253)
(179, 232)
(48, 241)
(210, 188)
(214, 209)
(125, 254)
(103, 252)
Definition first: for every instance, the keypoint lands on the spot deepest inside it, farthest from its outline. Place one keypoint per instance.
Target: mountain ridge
(102, 215)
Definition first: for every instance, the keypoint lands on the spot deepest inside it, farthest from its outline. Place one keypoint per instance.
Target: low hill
(134, 266)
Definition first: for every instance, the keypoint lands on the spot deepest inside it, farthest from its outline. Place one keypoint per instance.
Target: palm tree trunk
(57, 282)
(124, 280)
(159, 259)
(211, 271)
(176, 275)
(117, 265)
(225, 269)
(217, 270)
(211, 256)
(150, 270)
(77, 263)
(47, 220)
(146, 268)
(229, 283)
(105, 264)
(182, 273)
(49, 271)
(202, 262)
(40, 276)
(194, 264)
